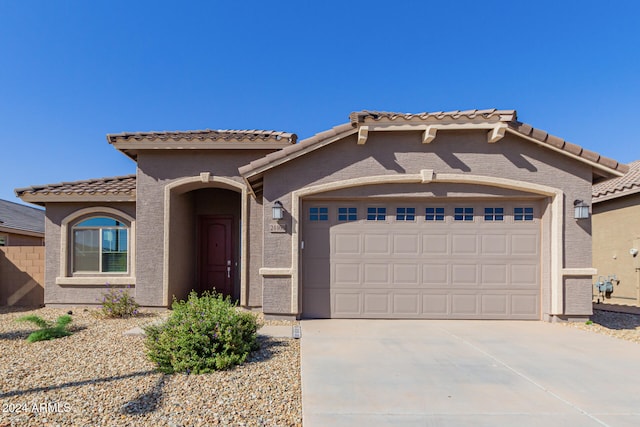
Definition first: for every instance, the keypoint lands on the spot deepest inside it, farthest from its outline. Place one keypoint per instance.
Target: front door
(216, 254)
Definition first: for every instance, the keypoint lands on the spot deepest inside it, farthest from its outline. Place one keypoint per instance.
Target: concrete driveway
(465, 373)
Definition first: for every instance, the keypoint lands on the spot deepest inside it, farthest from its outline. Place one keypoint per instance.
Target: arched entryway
(203, 234)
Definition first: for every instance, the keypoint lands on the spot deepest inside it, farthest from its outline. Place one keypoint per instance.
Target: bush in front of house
(203, 334)
(118, 303)
(48, 330)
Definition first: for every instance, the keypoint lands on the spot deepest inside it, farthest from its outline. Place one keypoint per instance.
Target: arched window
(100, 245)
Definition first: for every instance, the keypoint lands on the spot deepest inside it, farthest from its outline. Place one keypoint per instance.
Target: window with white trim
(376, 214)
(347, 214)
(3, 240)
(523, 214)
(100, 245)
(434, 214)
(405, 214)
(463, 214)
(494, 214)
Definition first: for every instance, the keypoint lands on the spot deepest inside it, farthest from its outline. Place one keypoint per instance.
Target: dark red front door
(216, 254)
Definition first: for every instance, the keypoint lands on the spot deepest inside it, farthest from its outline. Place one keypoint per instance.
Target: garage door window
(376, 214)
(347, 214)
(405, 214)
(463, 214)
(434, 214)
(318, 214)
(493, 214)
(523, 214)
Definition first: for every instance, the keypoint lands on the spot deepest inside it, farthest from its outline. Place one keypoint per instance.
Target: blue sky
(73, 71)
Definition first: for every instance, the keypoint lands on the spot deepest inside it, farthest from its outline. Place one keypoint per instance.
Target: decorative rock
(98, 376)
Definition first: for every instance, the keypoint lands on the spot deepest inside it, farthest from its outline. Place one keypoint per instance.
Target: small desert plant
(48, 330)
(589, 322)
(118, 303)
(203, 334)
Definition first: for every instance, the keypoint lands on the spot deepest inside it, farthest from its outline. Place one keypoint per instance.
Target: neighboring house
(462, 214)
(616, 234)
(21, 255)
(20, 225)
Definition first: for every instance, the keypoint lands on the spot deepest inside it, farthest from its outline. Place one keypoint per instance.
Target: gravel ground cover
(619, 325)
(98, 377)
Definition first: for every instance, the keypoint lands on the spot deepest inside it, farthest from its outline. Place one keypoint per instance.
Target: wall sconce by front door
(581, 209)
(277, 210)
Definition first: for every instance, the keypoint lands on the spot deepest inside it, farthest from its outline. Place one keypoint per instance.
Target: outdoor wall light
(278, 210)
(581, 209)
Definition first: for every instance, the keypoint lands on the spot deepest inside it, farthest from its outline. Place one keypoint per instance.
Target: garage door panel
(347, 244)
(435, 274)
(377, 274)
(376, 244)
(347, 274)
(377, 303)
(464, 274)
(494, 304)
(494, 274)
(524, 244)
(406, 244)
(525, 305)
(347, 303)
(406, 274)
(464, 244)
(435, 244)
(406, 304)
(435, 304)
(524, 274)
(464, 304)
(494, 244)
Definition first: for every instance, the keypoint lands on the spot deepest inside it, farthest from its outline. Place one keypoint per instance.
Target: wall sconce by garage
(581, 209)
(278, 210)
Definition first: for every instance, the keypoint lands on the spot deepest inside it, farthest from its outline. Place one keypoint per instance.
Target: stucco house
(461, 214)
(20, 225)
(616, 234)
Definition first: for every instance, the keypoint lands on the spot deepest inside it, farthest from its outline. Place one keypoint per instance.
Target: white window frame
(66, 277)
(100, 229)
(4, 240)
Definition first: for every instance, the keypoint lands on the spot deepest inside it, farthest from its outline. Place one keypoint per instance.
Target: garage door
(463, 260)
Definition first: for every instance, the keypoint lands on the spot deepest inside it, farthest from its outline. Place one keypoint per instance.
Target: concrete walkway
(466, 373)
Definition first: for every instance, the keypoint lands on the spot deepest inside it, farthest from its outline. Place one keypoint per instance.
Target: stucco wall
(391, 153)
(156, 170)
(616, 225)
(71, 294)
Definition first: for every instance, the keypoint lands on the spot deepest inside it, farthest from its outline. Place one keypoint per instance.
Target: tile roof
(360, 116)
(20, 217)
(617, 187)
(297, 148)
(223, 135)
(117, 185)
(509, 117)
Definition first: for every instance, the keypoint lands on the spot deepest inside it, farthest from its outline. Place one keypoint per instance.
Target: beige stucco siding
(616, 229)
(156, 170)
(71, 294)
(459, 152)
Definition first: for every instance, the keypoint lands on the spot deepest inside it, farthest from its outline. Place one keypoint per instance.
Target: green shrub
(118, 303)
(48, 330)
(203, 334)
(589, 322)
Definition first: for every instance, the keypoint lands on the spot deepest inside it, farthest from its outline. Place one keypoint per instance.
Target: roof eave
(615, 195)
(41, 199)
